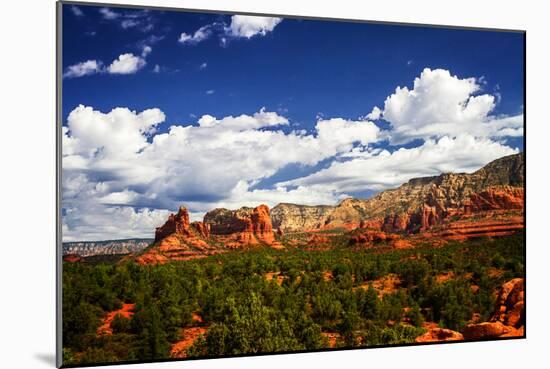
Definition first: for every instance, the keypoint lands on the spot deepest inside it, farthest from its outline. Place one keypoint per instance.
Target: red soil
(188, 337)
(126, 311)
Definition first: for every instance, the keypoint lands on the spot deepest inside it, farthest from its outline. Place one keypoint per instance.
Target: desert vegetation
(265, 300)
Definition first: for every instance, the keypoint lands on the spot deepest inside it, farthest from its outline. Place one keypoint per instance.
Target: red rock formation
(152, 256)
(436, 334)
(176, 223)
(437, 209)
(502, 198)
(370, 238)
(177, 239)
(202, 228)
(510, 308)
(485, 330)
(317, 241)
(508, 319)
(245, 226)
(396, 222)
(280, 232)
(372, 224)
(261, 224)
(430, 217)
(494, 225)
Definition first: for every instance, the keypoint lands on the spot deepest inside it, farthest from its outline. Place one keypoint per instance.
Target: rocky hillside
(508, 319)
(178, 239)
(488, 202)
(110, 247)
(222, 230)
(420, 203)
(292, 217)
(245, 226)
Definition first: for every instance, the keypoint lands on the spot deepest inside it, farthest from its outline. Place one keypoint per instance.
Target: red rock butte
(221, 230)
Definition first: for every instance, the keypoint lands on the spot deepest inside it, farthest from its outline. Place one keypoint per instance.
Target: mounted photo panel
(236, 184)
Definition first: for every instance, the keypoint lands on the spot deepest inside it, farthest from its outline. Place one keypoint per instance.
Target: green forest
(307, 296)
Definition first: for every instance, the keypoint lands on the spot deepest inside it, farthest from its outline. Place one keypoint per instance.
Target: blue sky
(308, 87)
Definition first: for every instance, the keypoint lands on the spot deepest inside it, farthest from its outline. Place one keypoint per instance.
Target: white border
(28, 185)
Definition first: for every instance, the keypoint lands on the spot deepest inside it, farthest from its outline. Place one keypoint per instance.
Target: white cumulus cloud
(244, 122)
(249, 26)
(126, 64)
(442, 104)
(86, 68)
(121, 177)
(116, 159)
(379, 170)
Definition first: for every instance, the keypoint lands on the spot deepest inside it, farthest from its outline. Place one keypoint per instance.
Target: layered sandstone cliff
(178, 239)
(293, 218)
(245, 226)
(421, 203)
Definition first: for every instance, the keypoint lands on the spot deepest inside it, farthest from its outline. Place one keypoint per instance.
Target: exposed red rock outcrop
(176, 224)
(510, 308)
(508, 319)
(503, 198)
(435, 211)
(493, 225)
(424, 203)
(485, 330)
(261, 224)
(178, 239)
(396, 222)
(202, 228)
(431, 216)
(436, 334)
(372, 224)
(369, 238)
(318, 241)
(430, 210)
(152, 256)
(245, 226)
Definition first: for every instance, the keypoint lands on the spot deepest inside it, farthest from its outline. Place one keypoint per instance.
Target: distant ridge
(107, 247)
(442, 194)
